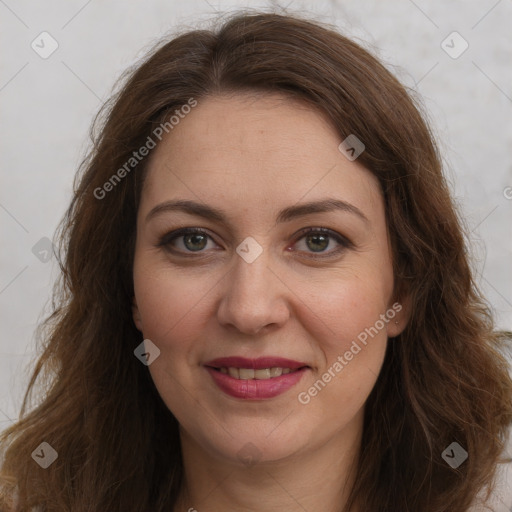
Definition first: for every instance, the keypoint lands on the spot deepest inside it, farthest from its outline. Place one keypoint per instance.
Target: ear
(399, 313)
(136, 315)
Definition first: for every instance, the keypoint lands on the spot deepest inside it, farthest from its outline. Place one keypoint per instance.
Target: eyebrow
(285, 215)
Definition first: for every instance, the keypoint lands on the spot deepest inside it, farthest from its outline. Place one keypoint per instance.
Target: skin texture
(251, 156)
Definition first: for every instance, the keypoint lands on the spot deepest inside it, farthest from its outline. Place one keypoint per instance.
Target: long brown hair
(443, 379)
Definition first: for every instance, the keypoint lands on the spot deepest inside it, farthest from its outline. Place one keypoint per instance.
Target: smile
(255, 379)
(251, 373)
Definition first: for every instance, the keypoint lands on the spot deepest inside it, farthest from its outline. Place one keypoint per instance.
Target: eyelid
(344, 242)
(167, 238)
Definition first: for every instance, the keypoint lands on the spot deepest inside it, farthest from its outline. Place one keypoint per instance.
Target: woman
(266, 300)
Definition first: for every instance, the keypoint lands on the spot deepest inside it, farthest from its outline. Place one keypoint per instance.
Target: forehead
(256, 150)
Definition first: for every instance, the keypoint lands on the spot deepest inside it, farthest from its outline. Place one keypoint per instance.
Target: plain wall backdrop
(48, 101)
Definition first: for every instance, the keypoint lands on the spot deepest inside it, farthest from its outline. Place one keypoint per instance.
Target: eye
(192, 240)
(318, 240)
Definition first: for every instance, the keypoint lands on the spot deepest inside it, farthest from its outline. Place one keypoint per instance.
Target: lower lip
(254, 389)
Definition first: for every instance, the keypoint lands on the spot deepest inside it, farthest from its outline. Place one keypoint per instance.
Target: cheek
(171, 305)
(352, 338)
(344, 306)
(169, 302)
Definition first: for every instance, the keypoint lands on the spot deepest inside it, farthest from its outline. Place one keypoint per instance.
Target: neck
(315, 479)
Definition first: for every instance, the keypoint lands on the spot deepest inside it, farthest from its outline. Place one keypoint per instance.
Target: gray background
(48, 104)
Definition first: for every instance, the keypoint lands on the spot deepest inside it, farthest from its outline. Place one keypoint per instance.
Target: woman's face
(290, 308)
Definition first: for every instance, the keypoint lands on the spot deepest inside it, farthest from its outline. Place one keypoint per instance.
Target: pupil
(320, 242)
(320, 246)
(194, 239)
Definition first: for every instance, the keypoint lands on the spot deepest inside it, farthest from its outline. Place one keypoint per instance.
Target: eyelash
(165, 241)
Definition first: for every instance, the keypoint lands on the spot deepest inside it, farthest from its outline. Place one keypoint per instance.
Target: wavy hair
(444, 378)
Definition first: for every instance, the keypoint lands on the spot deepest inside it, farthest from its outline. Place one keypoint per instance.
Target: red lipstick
(260, 362)
(254, 388)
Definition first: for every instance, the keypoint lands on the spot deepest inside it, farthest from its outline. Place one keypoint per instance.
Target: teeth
(260, 374)
(246, 373)
(276, 372)
(263, 373)
(233, 372)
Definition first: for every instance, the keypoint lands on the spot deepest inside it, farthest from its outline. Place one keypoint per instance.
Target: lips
(255, 364)
(256, 379)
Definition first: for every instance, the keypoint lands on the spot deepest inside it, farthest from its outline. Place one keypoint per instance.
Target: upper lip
(256, 364)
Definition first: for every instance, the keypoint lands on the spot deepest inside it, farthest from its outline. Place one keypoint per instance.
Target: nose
(254, 298)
